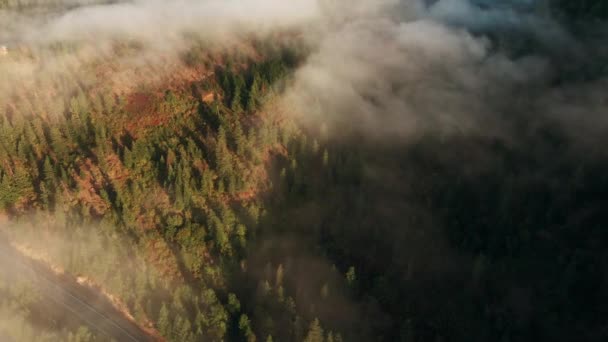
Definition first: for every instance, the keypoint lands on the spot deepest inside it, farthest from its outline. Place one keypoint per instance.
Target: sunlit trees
(177, 199)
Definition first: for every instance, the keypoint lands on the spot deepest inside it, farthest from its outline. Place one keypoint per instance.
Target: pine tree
(58, 143)
(234, 305)
(183, 330)
(164, 324)
(241, 233)
(6, 194)
(45, 196)
(225, 84)
(222, 155)
(254, 93)
(325, 158)
(315, 332)
(245, 327)
(237, 93)
(351, 277)
(49, 173)
(279, 275)
(207, 182)
(235, 104)
(239, 140)
(83, 334)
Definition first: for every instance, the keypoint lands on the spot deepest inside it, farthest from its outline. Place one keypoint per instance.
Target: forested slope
(189, 190)
(178, 174)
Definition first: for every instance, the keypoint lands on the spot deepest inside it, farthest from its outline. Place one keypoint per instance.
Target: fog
(393, 67)
(138, 42)
(153, 20)
(447, 67)
(378, 72)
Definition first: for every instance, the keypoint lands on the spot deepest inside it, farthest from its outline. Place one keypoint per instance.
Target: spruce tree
(315, 332)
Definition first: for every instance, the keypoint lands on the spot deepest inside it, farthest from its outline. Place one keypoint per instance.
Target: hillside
(411, 171)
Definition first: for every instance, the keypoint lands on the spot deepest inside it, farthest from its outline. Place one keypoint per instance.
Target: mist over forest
(307, 170)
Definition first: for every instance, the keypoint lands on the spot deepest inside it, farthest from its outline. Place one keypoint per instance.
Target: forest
(207, 207)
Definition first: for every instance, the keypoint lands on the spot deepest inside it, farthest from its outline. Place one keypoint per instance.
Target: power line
(60, 289)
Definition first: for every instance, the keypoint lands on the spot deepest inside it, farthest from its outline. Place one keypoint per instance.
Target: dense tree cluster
(160, 213)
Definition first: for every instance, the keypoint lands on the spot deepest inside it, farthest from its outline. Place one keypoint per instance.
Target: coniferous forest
(428, 177)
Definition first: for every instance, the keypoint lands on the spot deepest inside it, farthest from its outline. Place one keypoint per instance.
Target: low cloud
(136, 41)
(444, 67)
(161, 21)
